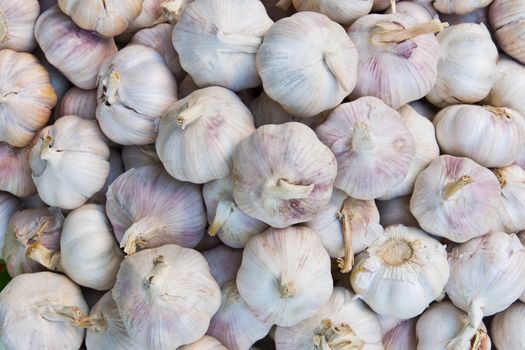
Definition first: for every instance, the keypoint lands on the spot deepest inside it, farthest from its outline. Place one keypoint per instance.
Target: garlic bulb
(115, 170)
(496, 135)
(15, 171)
(224, 263)
(204, 343)
(27, 97)
(108, 18)
(166, 296)
(460, 7)
(150, 15)
(59, 82)
(69, 162)
(372, 145)
(342, 12)
(42, 320)
(77, 53)
(396, 211)
(148, 208)
(139, 156)
(467, 65)
(401, 273)
(17, 23)
(380, 5)
(198, 134)
(396, 40)
(416, 10)
(455, 198)
(79, 102)
(207, 242)
(8, 206)
(486, 277)
(135, 89)
(285, 275)
(307, 64)
(343, 322)
(512, 200)
(505, 17)
(441, 322)
(217, 40)
(480, 15)
(506, 327)
(508, 90)
(403, 336)
(283, 174)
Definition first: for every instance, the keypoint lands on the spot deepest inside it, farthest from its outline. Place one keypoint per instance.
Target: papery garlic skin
(316, 59)
(116, 169)
(138, 156)
(414, 9)
(509, 88)
(69, 162)
(77, 53)
(506, 18)
(224, 263)
(467, 65)
(217, 40)
(460, 7)
(401, 273)
(8, 206)
(285, 275)
(342, 12)
(342, 320)
(396, 211)
(204, 343)
(496, 135)
(505, 328)
(166, 296)
(403, 336)
(198, 134)
(15, 171)
(17, 23)
(150, 15)
(276, 189)
(76, 101)
(455, 198)
(60, 83)
(27, 97)
(512, 203)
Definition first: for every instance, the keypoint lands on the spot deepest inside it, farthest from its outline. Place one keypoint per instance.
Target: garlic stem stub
(402, 336)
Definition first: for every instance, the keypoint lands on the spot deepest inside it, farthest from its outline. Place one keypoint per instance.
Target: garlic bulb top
(283, 174)
(27, 97)
(8, 206)
(372, 145)
(166, 296)
(455, 198)
(17, 23)
(217, 40)
(69, 162)
(285, 275)
(139, 156)
(198, 134)
(509, 88)
(204, 343)
(505, 17)
(460, 7)
(15, 171)
(396, 40)
(307, 63)
(467, 65)
(504, 329)
(402, 336)
(108, 18)
(77, 53)
(396, 211)
(342, 320)
(135, 88)
(224, 263)
(148, 208)
(342, 12)
(79, 102)
(512, 200)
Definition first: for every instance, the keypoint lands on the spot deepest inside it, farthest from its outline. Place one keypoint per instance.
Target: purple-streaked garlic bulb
(15, 170)
(135, 89)
(506, 328)
(116, 168)
(45, 318)
(148, 208)
(395, 40)
(69, 162)
(79, 102)
(283, 174)
(510, 216)
(441, 322)
(204, 343)
(139, 156)
(9, 205)
(460, 7)
(402, 336)
(467, 65)
(17, 24)
(372, 145)
(486, 277)
(76, 52)
(198, 134)
(341, 12)
(418, 11)
(217, 40)
(455, 198)
(496, 135)
(509, 88)
(224, 262)
(285, 275)
(343, 322)
(166, 296)
(307, 63)
(346, 226)
(480, 15)
(396, 211)
(27, 96)
(32, 238)
(506, 19)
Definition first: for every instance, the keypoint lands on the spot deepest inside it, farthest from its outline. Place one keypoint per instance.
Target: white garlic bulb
(27, 97)
(486, 277)
(396, 211)
(441, 322)
(79, 102)
(417, 10)
(467, 65)
(148, 208)
(115, 170)
(8, 206)
(204, 343)
(402, 336)
(509, 88)
(139, 156)
(307, 64)
(17, 23)
(455, 198)
(69, 162)
(283, 174)
(506, 328)
(396, 40)
(135, 89)
(217, 40)
(343, 322)
(372, 145)
(342, 12)
(460, 7)
(166, 296)
(15, 171)
(224, 263)
(77, 53)
(512, 200)
(198, 134)
(43, 320)
(401, 273)
(285, 275)
(505, 17)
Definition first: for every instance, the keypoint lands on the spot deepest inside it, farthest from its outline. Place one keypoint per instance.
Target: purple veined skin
(77, 101)
(15, 170)
(402, 336)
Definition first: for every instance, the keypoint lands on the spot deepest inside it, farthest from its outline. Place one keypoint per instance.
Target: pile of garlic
(262, 174)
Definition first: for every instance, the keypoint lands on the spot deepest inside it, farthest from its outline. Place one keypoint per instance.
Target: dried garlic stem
(345, 216)
(3, 27)
(284, 190)
(284, 4)
(223, 211)
(498, 111)
(44, 256)
(61, 313)
(452, 187)
(399, 35)
(158, 273)
(481, 341)
(47, 145)
(334, 65)
(500, 176)
(189, 115)
(464, 339)
(171, 11)
(110, 84)
(341, 337)
(361, 140)
(136, 235)
(233, 42)
(96, 322)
